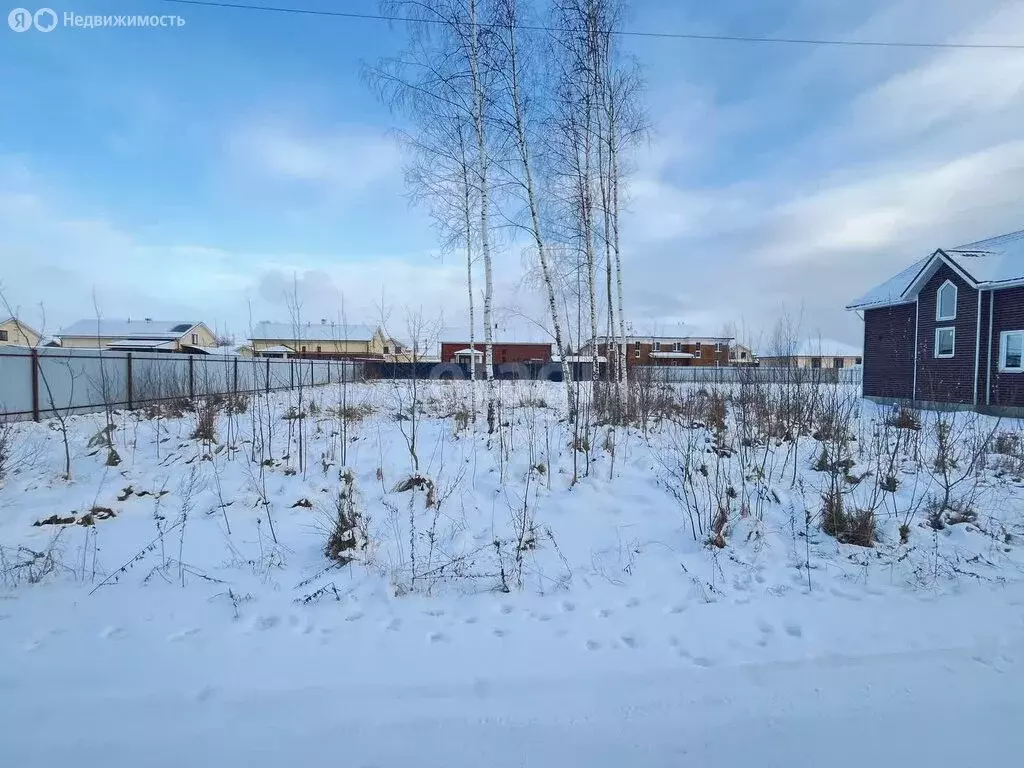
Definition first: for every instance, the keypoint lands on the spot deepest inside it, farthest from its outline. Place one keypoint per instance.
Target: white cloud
(338, 163)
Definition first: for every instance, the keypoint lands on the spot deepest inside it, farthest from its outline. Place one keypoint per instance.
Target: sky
(199, 172)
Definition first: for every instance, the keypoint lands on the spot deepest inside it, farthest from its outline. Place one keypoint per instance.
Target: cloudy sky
(192, 172)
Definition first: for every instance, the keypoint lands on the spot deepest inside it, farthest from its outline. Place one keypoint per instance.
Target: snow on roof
(672, 355)
(141, 344)
(268, 331)
(277, 349)
(996, 260)
(130, 329)
(817, 347)
(989, 263)
(891, 291)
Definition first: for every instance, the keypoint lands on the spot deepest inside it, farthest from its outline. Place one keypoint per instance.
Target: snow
(132, 329)
(892, 290)
(629, 643)
(330, 331)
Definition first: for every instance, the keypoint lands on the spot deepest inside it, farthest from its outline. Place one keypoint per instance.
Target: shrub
(904, 418)
(347, 534)
(206, 422)
(854, 527)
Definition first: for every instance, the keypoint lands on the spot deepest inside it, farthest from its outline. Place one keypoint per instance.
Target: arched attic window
(945, 304)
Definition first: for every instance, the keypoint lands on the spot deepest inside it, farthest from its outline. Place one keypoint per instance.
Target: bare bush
(206, 421)
(347, 534)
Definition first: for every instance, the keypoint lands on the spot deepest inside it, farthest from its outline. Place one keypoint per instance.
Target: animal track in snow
(675, 608)
(633, 602)
(505, 610)
(437, 637)
(499, 632)
(470, 620)
(602, 613)
(794, 630)
(592, 645)
(629, 641)
(567, 607)
(112, 632)
(263, 623)
(703, 661)
(393, 625)
(354, 616)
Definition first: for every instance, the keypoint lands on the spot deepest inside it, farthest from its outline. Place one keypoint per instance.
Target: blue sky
(190, 172)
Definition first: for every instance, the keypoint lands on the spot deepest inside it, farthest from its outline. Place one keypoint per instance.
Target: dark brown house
(671, 350)
(504, 352)
(949, 329)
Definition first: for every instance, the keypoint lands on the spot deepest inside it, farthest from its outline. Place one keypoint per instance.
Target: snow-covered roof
(993, 263)
(156, 344)
(467, 351)
(277, 349)
(128, 329)
(330, 331)
(579, 359)
(675, 355)
(816, 347)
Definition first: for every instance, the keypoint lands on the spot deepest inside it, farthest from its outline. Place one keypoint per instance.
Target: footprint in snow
(675, 608)
(469, 620)
(592, 645)
(765, 626)
(437, 637)
(263, 623)
(205, 693)
(703, 661)
(603, 613)
(567, 607)
(499, 632)
(435, 612)
(505, 610)
(394, 625)
(629, 641)
(177, 637)
(112, 633)
(794, 630)
(633, 602)
(354, 616)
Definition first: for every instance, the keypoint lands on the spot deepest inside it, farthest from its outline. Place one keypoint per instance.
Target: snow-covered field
(659, 594)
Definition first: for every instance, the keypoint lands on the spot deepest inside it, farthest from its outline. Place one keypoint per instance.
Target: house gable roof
(105, 328)
(997, 262)
(21, 324)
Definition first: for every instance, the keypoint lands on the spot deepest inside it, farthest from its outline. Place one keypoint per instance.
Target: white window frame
(677, 346)
(1004, 338)
(696, 349)
(636, 350)
(655, 346)
(718, 346)
(952, 330)
(939, 317)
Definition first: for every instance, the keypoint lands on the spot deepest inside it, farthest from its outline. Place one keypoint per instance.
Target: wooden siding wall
(1007, 389)
(948, 380)
(889, 351)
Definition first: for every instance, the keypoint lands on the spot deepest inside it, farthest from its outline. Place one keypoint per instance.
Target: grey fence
(36, 383)
(741, 374)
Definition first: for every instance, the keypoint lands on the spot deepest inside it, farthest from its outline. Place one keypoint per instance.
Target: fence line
(39, 382)
(740, 374)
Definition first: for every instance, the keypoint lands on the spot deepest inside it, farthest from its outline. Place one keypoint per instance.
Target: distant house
(740, 354)
(504, 352)
(813, 353)
(949, 329)
(711, 351)
(145, 335)
(16, 333)
(325, 340)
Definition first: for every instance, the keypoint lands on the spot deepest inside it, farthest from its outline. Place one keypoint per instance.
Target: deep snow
(628, 643)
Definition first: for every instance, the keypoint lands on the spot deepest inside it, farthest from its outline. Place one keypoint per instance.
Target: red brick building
(504, 352)
(672, 350)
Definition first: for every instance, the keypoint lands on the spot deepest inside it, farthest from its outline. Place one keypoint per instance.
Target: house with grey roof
(949, 329)
(325, 340)
(146, 335)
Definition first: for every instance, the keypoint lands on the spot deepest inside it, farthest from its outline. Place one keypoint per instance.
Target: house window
(3, 336)
(303, 348)
(718, 346)
(858, 360)
(318, 350)
(1011, 351)
(195, 338)
(815, 362)
(945, 342)
(696, 349)
(677, 347)
(743, 355)
(656, 346)
(387, 350)
(945, 304)
(839, 362)
(636, 350)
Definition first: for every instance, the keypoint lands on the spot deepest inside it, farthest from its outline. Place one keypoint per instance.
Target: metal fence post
(234, 378)
(35, 384)
(266, 383)
(191, 379)
(128, 381)
(291, 375)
